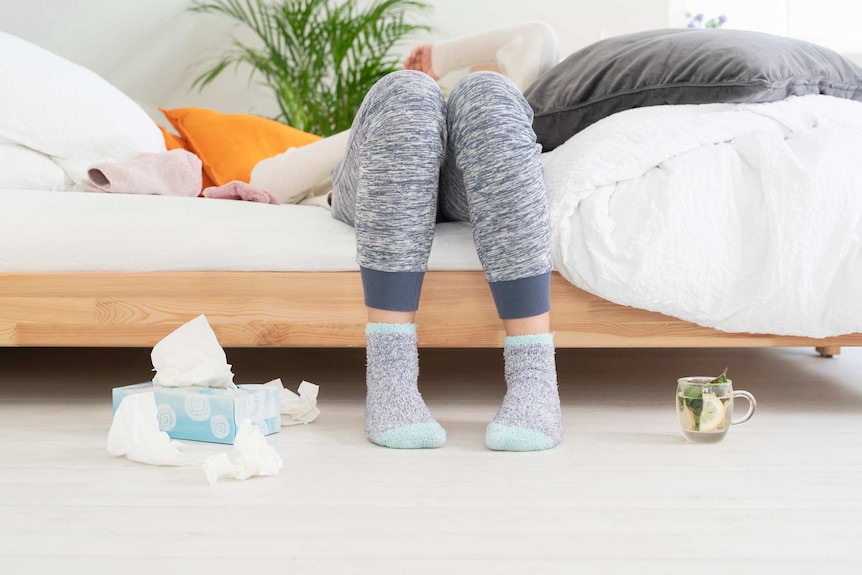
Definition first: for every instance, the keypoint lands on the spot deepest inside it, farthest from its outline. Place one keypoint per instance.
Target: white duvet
(742, 217)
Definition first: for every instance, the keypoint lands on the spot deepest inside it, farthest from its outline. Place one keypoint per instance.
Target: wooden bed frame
(319, 309)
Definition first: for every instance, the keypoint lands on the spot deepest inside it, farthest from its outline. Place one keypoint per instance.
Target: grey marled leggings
(414, 159)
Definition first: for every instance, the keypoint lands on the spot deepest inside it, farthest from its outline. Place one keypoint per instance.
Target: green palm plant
(319, 57)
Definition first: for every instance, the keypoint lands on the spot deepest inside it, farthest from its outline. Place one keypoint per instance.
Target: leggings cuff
(523, 297)
(391, 291)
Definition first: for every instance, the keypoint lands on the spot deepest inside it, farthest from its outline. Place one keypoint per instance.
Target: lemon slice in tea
(686, 419)
(712, 415)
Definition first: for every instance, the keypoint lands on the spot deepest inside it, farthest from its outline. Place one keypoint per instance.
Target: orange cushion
(174, 142)
(229, 145)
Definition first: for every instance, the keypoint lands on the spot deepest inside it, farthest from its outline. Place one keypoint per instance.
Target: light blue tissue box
(207, 414)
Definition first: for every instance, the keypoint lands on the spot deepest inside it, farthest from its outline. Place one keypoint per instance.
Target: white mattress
(47, 231)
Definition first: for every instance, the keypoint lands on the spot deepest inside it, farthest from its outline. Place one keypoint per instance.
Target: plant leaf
(319, 57)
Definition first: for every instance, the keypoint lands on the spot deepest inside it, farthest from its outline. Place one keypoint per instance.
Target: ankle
(390, 327)
(528, 325)
(526, 339)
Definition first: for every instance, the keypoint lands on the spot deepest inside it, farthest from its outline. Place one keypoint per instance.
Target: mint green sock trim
(390, 328)
(509, 438)
(413, 436)
(527, 339)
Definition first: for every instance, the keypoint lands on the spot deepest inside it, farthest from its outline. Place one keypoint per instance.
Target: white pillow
(25, 169)
(65, 111)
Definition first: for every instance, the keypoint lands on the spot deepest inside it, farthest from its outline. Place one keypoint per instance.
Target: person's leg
(386, 187)
(493, 176)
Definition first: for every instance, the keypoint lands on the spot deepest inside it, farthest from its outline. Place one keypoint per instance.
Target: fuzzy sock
(530, 418)
(395, 415)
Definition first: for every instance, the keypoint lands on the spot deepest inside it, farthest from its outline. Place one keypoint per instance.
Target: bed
(109, 270)
(718, 225)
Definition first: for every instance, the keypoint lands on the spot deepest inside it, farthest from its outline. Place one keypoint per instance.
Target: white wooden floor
(623, 494)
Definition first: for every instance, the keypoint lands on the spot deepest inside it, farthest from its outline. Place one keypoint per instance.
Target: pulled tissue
(135, 434)
(256, 457)
(296, 409)
(191, 355)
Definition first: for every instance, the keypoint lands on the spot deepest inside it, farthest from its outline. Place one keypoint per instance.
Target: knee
(408, 82)
(486, 92)
(484, 84)
(406, 94)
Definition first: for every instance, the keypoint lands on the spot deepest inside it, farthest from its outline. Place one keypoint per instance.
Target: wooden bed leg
(829, 350)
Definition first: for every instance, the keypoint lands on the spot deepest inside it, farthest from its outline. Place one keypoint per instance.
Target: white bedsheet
(746, 218)
(42, 231)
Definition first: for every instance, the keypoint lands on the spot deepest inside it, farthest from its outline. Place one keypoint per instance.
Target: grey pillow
(682, 66)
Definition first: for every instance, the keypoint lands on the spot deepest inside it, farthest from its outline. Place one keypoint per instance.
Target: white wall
(139, 46)
(151, 49)
(834, 23)
(577, 22)
(768, 16)
(831, 23)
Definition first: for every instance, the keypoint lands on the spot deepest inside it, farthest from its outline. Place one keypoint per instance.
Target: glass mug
(706, 409)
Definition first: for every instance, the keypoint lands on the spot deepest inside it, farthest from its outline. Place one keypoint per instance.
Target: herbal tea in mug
(705, 407)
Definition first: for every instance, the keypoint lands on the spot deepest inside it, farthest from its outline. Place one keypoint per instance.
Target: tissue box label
(207, 414)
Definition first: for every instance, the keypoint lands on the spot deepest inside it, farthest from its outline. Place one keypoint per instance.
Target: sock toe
(510, 438)
(414, 436)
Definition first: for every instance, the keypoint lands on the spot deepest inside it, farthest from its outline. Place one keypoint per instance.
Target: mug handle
(752, 404)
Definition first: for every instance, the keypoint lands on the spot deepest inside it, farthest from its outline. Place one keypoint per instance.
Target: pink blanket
(173, 173)
(237, 190)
